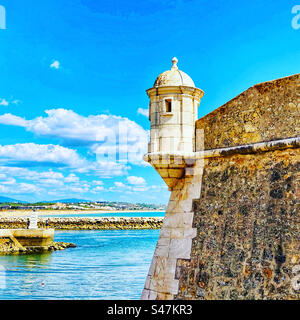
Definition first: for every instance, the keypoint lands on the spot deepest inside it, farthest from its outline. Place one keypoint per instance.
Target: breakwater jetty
(76, 223)
(24, 241)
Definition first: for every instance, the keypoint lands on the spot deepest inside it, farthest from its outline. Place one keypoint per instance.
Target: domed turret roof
(174, 77)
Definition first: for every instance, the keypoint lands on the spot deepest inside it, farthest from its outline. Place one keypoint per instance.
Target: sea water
(106, 264)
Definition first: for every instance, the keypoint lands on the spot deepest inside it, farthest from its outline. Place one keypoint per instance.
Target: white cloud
(159, 188)
(104, 169)
(20, 188)
(98, 182)
(136, 188)
(97, 133)
(27, 174)
(144, 112)
(38, 153)
(102, 134)
(97, 189)
(8, 181)
(3, 102)
(55, 65)
(51, 182)
(120, 184)
(72, 178)
(10, 119)
(78, 190)
(140, 189)
(40, 183)
(136, 180)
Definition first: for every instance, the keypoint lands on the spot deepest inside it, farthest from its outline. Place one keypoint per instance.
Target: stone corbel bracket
(173, 167)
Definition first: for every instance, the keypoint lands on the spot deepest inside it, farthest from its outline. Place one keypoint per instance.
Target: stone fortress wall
(247, 217)
(248, 230)
(266, 112)
(232, 228)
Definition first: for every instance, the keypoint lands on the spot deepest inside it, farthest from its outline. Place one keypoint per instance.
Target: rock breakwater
(108, 223)
(8, 247)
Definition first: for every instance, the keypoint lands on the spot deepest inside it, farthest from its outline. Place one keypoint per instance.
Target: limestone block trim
(175, 239)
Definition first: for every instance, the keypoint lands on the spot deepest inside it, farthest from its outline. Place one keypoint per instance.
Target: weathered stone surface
(267, 111)
(248, 231)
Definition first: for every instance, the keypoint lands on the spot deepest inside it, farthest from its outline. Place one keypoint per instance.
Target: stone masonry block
(161, 251)
(180, 249)
(145, 294)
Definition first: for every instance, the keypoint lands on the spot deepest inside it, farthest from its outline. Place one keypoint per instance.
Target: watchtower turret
(173, 111)
(174, 102)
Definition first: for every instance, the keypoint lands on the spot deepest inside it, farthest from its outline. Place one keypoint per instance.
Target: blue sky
(74, 72)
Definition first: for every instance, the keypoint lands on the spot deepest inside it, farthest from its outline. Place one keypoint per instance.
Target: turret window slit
(168, 105)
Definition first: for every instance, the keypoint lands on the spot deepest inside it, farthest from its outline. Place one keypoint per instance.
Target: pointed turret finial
(174, 61)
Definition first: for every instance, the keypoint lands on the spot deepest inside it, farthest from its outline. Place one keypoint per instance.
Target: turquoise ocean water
(105, 265)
